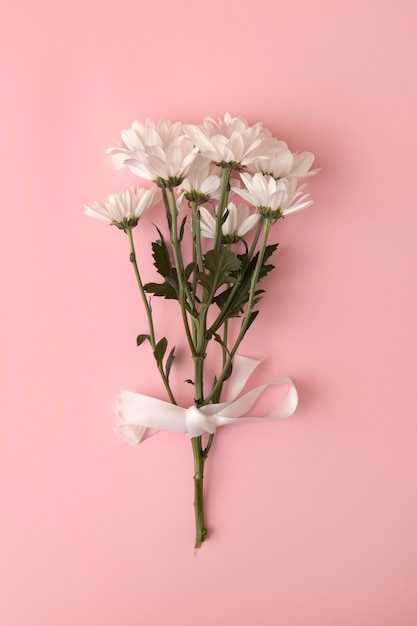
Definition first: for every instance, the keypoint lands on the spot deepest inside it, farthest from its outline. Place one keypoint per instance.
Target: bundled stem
(194, 310)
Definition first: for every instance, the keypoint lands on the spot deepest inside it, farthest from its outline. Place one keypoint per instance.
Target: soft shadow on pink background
(312, 521)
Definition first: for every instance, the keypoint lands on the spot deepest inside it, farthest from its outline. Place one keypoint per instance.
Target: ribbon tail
(143, 416)
(134, 434)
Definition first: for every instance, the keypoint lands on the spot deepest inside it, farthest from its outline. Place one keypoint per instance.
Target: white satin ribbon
(143, 415)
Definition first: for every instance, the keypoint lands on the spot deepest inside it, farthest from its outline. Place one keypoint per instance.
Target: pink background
(313, 521)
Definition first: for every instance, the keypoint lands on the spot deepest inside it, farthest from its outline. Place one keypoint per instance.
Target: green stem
(197, 236)
(224, 192)
(198, 377)
(148, 311)
(256, 237)
(197, 259)
(167, 210)
(199, 460)
(200, 327)
(183, 292)
(225, 335)
(225, 329)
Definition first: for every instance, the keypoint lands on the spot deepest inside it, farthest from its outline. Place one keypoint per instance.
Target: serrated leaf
(221, 298)
(265, 269)
(221, 261)
(221, 266)
(160, 350)
(169, 288)
(162, 262)
(160, 254)
(241, 296)
(141, 338)
(161, 289)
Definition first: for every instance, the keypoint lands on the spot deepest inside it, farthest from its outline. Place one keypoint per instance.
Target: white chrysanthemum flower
(168, 166)
(273, 198)
(231, 142)
(278, 164)
(283, 163)
(158, 152)
(140, 137)
(264, 192)
(202, 183)
(238, 222)
(125, 208)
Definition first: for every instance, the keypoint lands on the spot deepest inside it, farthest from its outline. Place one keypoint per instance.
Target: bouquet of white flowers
(202, 173)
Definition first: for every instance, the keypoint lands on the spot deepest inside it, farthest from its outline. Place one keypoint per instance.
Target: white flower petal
(248, 223)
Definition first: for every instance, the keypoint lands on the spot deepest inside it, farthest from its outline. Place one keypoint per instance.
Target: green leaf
(169, 288)
(241, 296)
(169, 362)
(181, 235)
(221, 266)
(252, 318)
(216, 397)
(221, 261)
(265, 269)
(189, 270)
(162, 289)
(160, 349)
(160, 254)
(141, 338)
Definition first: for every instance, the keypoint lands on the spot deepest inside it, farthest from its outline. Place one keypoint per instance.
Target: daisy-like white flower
(231, 142)
(279, 162)
(167, 167)
(283, 163)
(238, 222)
(202, 183)
(158, 152)
(140, 137)
(273, 198)
(124, 209)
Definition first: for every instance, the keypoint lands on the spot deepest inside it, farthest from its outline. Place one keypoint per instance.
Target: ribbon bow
(143, 415)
